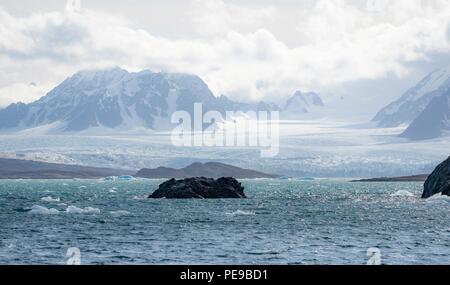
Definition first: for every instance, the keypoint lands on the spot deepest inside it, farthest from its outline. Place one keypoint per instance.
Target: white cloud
(235, 51)
(22, 92)
(448, 32)
(215, 17)
(356, 43)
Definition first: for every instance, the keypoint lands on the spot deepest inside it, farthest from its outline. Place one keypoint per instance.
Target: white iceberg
(36, 209)
(241, 213)
(87, 210)
(402, 193)
(119, 213)
(49, 199)
(126, 177)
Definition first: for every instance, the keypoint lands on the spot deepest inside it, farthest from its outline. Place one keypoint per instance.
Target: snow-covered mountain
(415, 100)
(117, 99)
(433, 121)
(302, 103)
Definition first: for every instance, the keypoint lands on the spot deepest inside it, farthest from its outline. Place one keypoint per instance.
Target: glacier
(307, 149)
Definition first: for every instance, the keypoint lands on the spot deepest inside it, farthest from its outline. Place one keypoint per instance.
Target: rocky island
(438, 181)
(200, 188)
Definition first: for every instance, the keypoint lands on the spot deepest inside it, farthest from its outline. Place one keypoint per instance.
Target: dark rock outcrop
(200, 188)
(438, 181)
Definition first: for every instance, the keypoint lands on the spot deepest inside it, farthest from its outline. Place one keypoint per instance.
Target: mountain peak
(92, 73)
(303, 102)
(112, 98)
(415, 100)
(310, 98)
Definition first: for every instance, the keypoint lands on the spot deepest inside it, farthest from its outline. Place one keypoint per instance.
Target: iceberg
(126, 177)
(36, 209)
(110, 178)
(49, 199)
(87, 210)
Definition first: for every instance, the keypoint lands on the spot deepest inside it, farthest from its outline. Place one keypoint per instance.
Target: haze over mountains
(117, 99)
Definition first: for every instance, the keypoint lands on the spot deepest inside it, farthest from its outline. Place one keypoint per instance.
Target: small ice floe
(82, 187)
(121, 178)
(284, 178)
(402, 193)
(241, 213)
(87, 210)
(65, 184)
(126, 177)
(307, 179)
(36, 209)
(438, 198)
(139, 198)
(49, 199)
(119, 213)
(110, 178)
(112, 190)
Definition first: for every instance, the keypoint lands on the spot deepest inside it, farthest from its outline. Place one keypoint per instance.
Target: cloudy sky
(369, 50)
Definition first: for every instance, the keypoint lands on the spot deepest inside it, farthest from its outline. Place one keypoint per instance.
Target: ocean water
(283, 222)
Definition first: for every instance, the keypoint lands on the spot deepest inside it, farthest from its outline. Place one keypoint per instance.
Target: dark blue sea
(282, 222)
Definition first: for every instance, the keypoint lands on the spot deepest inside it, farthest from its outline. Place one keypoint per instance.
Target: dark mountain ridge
(209, 169)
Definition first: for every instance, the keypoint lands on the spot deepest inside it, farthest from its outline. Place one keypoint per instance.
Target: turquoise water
(283, 222)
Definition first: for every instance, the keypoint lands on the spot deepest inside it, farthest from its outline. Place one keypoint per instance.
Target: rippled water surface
(283, 222)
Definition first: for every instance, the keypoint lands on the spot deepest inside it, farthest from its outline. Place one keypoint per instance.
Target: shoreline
(412, 178)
